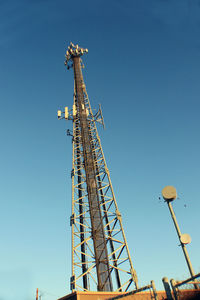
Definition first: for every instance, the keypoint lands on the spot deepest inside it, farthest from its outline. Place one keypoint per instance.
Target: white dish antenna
(169, 193)
(185, 239)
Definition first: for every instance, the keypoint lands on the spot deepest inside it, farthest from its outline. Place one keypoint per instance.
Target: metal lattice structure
(100, 255)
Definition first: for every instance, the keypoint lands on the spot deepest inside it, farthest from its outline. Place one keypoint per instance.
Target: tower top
(74, 51)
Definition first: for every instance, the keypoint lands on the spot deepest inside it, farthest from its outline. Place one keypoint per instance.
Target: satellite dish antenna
(169, 193)
(185, 239)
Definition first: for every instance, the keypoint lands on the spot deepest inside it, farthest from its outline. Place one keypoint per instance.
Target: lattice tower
(100, 255)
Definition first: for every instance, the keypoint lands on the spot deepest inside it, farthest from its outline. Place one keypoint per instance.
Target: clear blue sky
(143, 66)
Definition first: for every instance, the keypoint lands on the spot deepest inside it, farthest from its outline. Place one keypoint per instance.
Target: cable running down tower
(100, 255)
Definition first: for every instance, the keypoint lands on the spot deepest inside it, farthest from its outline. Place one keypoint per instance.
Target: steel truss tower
(100, 255)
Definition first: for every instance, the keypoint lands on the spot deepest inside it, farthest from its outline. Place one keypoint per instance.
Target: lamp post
(169, 194)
